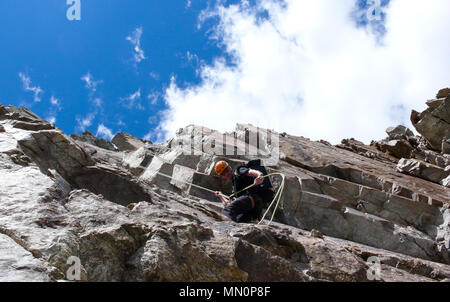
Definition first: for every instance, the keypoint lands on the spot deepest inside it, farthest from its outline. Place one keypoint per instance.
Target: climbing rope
(276, 199)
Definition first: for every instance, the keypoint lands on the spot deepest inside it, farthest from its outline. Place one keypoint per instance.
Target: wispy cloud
(96, 102)
(51, 119)
(135, 40)
(26, 81)
(156, 135)
(91, 84)
(55, 106)
(54, 101)
(154, 75)
(104, 132)
(192, 57)
(153, 97)
(83, 123)
(133, 100)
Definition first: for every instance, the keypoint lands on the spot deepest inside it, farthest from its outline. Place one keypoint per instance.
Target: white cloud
(308, 70)
(135, 39)
(104, 132)
(51, 119)
(26, 81)
(95, 102)
(148, 136)
(91, 84)
(154, 75)
(157, 134)
(55, 106)
(54, 101)
(153, 97)
(83, 123)
(133, 100)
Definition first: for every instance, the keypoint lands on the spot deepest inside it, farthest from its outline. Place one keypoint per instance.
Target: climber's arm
(222, 198)
(258, 175)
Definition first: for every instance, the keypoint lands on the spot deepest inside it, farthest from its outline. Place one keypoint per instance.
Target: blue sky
(141, 66)
(54, 53)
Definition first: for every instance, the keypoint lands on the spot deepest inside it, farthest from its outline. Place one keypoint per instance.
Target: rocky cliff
(344, 207)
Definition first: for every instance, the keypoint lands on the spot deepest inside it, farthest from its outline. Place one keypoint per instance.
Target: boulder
(423, 170)
(399, 148)
(89, 138)
(23, 114)
(399, 132)
(443, 93)
(127, 142)
(434, 122)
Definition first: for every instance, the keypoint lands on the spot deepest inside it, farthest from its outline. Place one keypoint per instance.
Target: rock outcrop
(434, 122)
(127, 142)
(116, 212)
(89, 138)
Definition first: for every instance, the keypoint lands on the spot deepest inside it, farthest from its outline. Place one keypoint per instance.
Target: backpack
(241, 181)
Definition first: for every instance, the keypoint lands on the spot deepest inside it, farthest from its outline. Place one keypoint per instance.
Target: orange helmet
(220, 167)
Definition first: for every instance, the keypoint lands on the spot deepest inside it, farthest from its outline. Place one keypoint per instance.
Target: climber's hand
(224, 200)
(259, 180)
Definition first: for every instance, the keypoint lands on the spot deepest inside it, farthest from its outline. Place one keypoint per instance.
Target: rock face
(422, 170)
(443, 93)
(127, 142)
(434, 122)
(89, 138)
(77, 208)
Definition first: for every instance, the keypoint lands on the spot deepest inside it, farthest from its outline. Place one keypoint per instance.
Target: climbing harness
(276, 199)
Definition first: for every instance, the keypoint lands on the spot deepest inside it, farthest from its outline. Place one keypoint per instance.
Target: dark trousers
(243, 209)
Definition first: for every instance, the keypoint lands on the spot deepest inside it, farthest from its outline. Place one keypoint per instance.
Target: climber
(248, 204)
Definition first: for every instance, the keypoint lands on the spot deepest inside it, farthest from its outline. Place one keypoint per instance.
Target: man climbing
(248, 204)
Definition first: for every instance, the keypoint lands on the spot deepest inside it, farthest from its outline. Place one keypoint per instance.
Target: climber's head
(223, 169)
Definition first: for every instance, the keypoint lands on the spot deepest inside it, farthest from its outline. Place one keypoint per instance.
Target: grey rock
(137, 161)
(89, 138)
(127, 142)
(62, 198)
(399, 132)
(399, 148)
(423, 170)
(443, 93)
(446, 182)
(434, 122)
(19, 265)
(446, 146)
